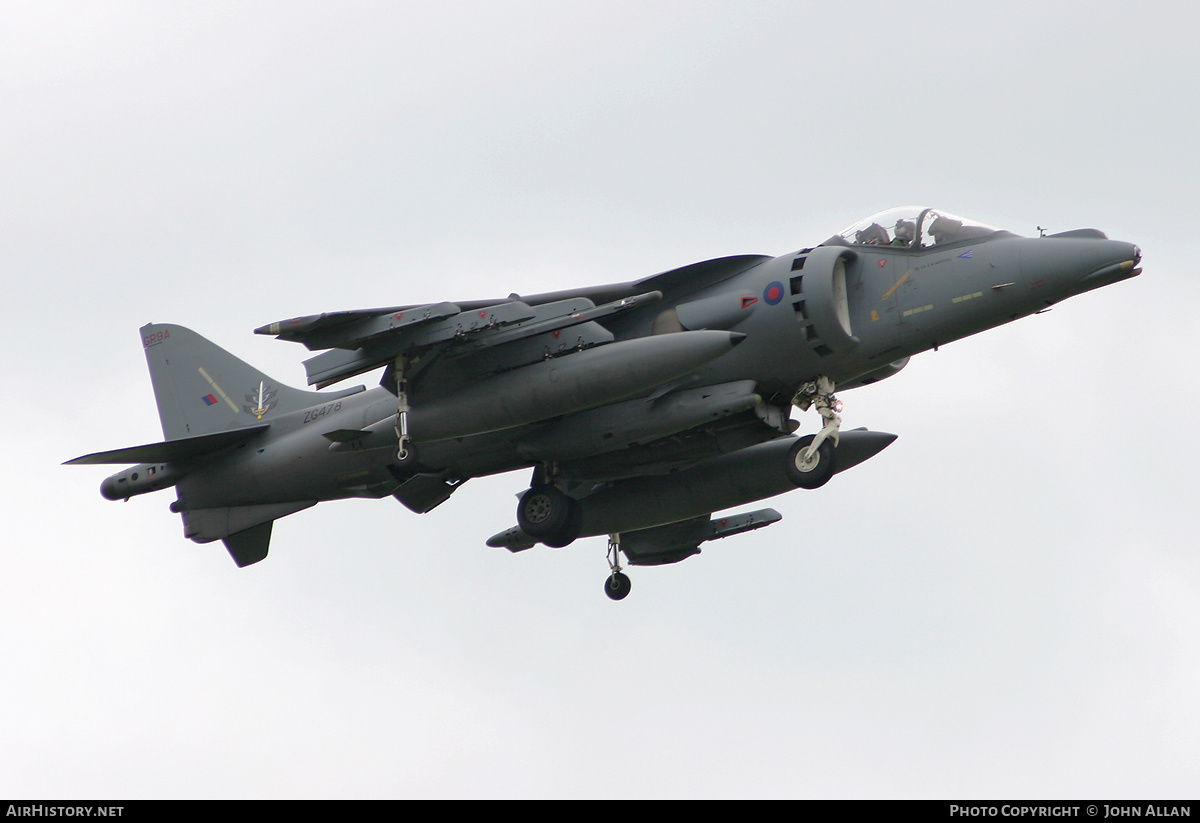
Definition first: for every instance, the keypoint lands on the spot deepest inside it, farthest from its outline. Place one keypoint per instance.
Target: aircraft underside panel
(675, 452)
(423, 493)
(207, 525)
(634, 423)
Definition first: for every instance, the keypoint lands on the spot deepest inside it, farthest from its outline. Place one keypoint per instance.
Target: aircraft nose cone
(1119, 262)
(1075, 262)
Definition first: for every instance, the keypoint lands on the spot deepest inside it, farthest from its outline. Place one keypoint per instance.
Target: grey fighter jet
(641, 407)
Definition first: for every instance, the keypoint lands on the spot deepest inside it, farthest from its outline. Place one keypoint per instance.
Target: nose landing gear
(810, 462)
(810, 472)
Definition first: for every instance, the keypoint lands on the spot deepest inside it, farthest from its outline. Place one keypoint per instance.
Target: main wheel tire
(617, 586)
(543, 511)
(814, 473)
(570, 530)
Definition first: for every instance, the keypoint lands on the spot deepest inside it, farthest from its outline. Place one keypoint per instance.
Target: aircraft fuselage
(645, 403)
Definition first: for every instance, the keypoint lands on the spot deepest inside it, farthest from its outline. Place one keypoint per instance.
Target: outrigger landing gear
(810, 464)
(404, 451)
(617, 585)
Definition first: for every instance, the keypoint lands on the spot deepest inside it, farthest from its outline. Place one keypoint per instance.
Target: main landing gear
(553, 517)
(549, 515)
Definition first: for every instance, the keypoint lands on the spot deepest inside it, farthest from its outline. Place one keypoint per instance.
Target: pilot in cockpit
(906, 230)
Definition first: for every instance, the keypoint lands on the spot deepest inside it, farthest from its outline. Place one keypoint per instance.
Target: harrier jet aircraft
(641, 407)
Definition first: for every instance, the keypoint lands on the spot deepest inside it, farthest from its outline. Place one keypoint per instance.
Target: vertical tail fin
(201, 389)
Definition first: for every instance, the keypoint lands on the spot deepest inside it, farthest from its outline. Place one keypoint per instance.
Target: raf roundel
(773, 293)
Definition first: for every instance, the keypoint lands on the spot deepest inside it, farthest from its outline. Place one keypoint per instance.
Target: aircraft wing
(361, 340)
(699, 275)
(323, 331)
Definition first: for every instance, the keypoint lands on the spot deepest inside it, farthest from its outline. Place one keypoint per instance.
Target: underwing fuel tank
(567, 384)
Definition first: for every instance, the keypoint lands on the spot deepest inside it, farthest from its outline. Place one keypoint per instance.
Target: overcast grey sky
(1004, 603)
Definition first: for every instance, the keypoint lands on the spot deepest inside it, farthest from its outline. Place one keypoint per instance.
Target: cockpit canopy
(911, 227)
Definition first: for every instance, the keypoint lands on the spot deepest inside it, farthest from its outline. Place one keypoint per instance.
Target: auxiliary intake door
(819, 298)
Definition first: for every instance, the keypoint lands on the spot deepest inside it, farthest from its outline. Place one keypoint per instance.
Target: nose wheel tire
(815, 471)
(617, 586)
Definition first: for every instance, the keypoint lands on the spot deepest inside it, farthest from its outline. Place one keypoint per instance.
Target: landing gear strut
(819, 393)
(404, 452)
(617, 585)
(810, 463)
